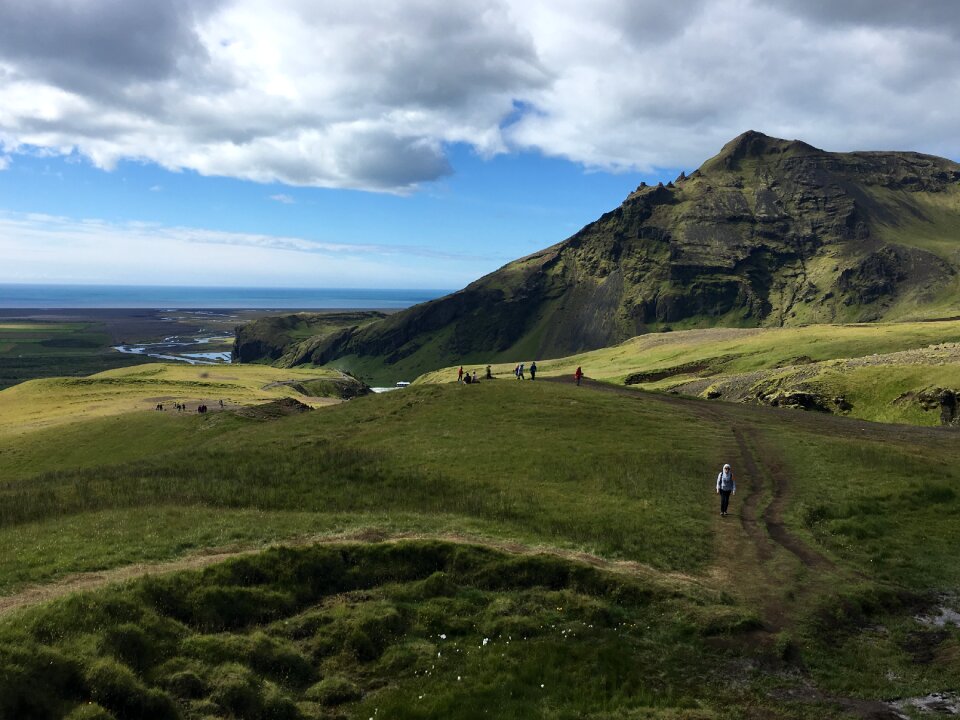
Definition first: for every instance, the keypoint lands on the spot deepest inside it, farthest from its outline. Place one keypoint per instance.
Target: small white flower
(443, 636)
(486, 640)
(541, 684)
(458, 678)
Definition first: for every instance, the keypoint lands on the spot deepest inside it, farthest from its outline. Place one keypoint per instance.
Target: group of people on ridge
(182, 407)
(519, 372)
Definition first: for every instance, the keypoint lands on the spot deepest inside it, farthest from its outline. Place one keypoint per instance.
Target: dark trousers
(724, 500)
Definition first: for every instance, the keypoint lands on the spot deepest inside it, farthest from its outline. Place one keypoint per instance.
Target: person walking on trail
(489, 373)
(726, 486)
(520, 372)
(578, 375)
(533, 370)
(460, 375)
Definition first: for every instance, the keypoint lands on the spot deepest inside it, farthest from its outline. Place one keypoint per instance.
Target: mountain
(769, 232)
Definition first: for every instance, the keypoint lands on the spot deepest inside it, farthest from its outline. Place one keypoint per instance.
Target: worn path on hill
(770, 476)
(764, 493)
(765, 469)
(761, 476)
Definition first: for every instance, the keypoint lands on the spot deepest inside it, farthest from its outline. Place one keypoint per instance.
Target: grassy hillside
(842, 533)
(840, 528)
(879, 369)
(50, 402)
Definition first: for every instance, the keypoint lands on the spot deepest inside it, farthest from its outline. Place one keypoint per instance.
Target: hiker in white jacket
(725, 488)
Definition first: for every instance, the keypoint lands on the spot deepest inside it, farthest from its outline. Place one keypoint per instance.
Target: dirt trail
(40, 593)
(770, 475)
(749, 506)
(779, 486)
(764, 485)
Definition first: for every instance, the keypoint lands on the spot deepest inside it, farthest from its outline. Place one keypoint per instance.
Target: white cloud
(34, 245)
(283, 198)
(369, 94)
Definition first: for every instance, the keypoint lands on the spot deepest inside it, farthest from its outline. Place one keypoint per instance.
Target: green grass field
(603, 549)
(127, 392)
(33, 349)
(741, 362)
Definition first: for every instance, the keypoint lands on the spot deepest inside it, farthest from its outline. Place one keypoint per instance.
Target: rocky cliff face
(768, 232)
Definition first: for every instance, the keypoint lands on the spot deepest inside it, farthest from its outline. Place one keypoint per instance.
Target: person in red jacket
(578, 375)
(460, 375)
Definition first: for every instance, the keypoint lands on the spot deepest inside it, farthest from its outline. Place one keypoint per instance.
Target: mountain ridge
(768, 232)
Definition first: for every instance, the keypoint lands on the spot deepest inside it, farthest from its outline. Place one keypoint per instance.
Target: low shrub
(186, 684)
(334, 690)
(34, 681)
(129, 644)
(236, 690)
(280, 660)
(119, 690)
(89, 711)
(222, 608)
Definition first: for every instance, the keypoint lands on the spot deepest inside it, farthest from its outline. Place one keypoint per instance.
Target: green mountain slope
(767, 233)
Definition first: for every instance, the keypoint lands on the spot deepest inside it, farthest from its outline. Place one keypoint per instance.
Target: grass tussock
(404, 630)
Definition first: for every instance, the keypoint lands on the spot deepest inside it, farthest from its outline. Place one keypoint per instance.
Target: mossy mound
(413, 629)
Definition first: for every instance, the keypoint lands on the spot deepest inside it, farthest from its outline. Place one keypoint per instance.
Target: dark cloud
(939, 15)
(367, 94)
(84, 43)
(396, 163)
(428, 54)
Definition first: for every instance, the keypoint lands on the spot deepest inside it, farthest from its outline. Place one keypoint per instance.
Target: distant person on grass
(533, 370)
(578, 375)
(460, 374)
(520, 375)
(489, 373)
(725, 488)
(475, 376)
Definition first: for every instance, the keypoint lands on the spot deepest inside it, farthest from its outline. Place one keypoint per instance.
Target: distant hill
(283, 339)
(768, 233)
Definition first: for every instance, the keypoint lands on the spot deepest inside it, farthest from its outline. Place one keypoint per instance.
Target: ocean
(188, 298)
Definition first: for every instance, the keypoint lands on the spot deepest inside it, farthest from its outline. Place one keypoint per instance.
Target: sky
(416, 143)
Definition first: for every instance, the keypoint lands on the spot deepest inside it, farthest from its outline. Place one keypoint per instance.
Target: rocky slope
(277, 338)
(767, 233)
